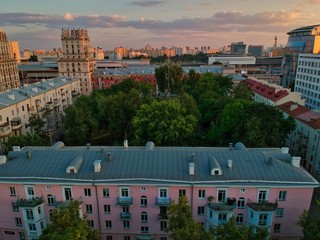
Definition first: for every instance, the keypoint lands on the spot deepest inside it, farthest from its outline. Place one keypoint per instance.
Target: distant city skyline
(135, 23)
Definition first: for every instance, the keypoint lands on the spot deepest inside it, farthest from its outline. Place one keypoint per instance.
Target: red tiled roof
(265, 90)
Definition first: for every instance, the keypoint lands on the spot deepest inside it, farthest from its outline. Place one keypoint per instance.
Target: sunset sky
(134, 23)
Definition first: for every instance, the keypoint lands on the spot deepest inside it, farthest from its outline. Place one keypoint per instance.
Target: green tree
(242, 91)
(165, 122)
(310, 223)
(66, 223)
(169, 78)
(24, 140)
(182, 226)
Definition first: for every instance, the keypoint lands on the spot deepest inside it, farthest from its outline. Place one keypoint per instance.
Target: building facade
(255, 50)
(300, 40)
(126, 191)
(76, 60)
(307, 80)
(9, 76)
(238, 48)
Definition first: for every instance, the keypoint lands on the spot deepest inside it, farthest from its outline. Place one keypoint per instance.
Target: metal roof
(164, 165)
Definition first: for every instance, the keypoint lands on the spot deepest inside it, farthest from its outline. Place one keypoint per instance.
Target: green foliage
(165, 122)
(310, 224)
(33, 58)
(24, 140)
(66, 223)
(182, 226)
(242, 91)
(169, 78)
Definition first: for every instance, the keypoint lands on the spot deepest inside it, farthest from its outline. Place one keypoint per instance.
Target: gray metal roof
(160, 165)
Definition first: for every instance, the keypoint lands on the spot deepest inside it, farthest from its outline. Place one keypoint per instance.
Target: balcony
(124, 201)
(5, 129)
(125, 215)
(16, 123)
(162, 216)
(74, 93)
(49, 105)
(263, 206)
(30, 203)
(56, 102)
(229, 205)
(163, 201)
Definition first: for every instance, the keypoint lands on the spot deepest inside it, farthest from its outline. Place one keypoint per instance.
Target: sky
(135, 23)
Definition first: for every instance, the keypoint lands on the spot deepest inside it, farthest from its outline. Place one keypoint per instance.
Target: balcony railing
(163, 201)
(5, 129)
(124, 201)
(229, 205)
(16, 123)
(263, 206)
(30, 202)
(125, 215)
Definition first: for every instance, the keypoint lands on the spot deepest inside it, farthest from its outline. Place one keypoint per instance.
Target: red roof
(265, 90)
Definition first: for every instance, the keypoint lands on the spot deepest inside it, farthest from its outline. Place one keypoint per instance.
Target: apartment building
(76, 59)
(18, 105)
(304, 141)
(9, 76)
(126, 191)
(307, 80)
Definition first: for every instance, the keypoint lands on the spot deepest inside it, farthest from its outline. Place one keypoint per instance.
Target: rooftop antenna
(275, 42)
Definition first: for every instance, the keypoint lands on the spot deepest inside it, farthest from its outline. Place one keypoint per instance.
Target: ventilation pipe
(125, 144)
(284, 150)
(230, 164)
(296, 161)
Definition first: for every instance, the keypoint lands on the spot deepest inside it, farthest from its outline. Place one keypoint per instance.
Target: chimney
(293, 106)
(230, 146)
(230, 164)
(296, 161)
(16, 148)
(88, 146)
(28, 155)
(97, 165)
(3, 159)
(191, 168)
(109, 156)
(284, 150)
(125, 143)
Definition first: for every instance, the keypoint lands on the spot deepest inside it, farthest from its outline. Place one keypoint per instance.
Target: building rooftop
(163, 165)
(303, 29)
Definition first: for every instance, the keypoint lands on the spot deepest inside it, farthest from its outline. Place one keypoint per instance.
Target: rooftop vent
(270, 161)
(16, 148)
(11, 96)
(109, 158)
(97, 165)
(3, 159)
(296, 161)
(125, 143)
(34, 89)
(88, 146)
(230, 146)
(51, 84)
(150, 146)
(75, 165)
(230, 164)
(191, 168)
(58, 145)
(284, 150)
(28, 154)
(240, 146)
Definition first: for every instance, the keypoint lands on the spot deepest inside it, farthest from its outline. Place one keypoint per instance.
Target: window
(239, 219)
(163, 225)
(126, 238)
(22, 236)
(202, 193)
(12, 191)
(15, 207)
(144, 229)
(125, 209)
(279, 212)
(201, 210)
(88, 208)
(106, 192)
(263, 219)
(282, 195)
(222, 195)
(222, 218)
(50, 199)
(124, 192)
(90, 223)
(107, 208)
(144, 201)
(29, 214)
(29, 192)
(108, 224)
(163, 238)
(18, 222)
(163, 192)
(87, 192)
(277, 227)
(262, 196)
(39, 210)
(182, 192)
(41, 225)
(67, 193)
(32, 227)
(144, 217)
(211, 213)
(126, 224)
(241, 202)
(108, 237)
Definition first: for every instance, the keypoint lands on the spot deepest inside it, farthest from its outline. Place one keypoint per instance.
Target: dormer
(75, 165)
(215, 168)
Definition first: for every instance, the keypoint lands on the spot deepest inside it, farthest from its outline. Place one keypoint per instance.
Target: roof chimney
(97, 165)
(230, 146)
(191, 168)
(16, 148)
(230, 164)
(296, 161)
(284, 150)
(109, 156)
(88, 146)
(28, 154)
(3, 159)
(125, 143)
(293, 106)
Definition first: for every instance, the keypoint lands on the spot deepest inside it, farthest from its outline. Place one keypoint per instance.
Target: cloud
(309, 2)
(68, 17)
(148, 3)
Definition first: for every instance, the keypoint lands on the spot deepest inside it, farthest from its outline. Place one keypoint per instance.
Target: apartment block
(307, 80)
(126, 191)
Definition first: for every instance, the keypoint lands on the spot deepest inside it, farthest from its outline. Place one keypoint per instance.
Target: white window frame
(263, 219)
(89, 208)
(107, 208)
(29, 189)
(29, 214)
(279, 212)
(143, 201)
(126, 224)
(64, 192)
(266, 194)
(239, 217)
(144, 217)
(201, 193)
(106, 192)
(241, 200)
(87, 192)
(226, 194)
(33, 228)
(13, 191)
(124, 188)
(160, 189)
(282, 195)
(109, 225)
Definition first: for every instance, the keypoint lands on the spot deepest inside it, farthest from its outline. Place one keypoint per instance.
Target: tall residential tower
(76, 60)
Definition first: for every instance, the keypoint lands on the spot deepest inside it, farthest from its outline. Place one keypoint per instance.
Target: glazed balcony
(5, 129)
(124, 201)
(229, 205)
(263, 206)
(16, 123)
(125, 215)
(163, 201)
(30, 203)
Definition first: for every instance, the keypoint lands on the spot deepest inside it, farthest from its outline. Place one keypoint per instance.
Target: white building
(307, 79)
(234, 60)
(77, 60)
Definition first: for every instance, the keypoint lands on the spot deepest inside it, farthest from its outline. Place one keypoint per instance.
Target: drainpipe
(191, 202)
(98, 206)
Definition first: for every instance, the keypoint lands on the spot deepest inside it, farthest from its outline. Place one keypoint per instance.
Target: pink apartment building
(125, 191)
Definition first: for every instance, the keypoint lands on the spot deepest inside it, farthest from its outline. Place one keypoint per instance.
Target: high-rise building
(300, 40)
(255, 50)
(9, 75)
(238, 48)
(77, 60)
(15, 51)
